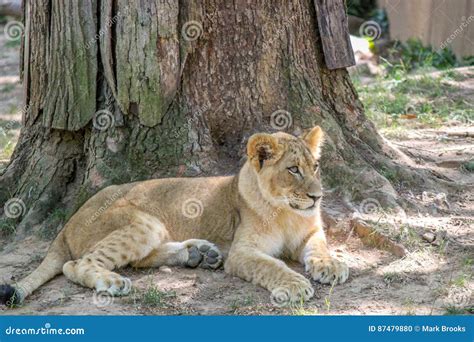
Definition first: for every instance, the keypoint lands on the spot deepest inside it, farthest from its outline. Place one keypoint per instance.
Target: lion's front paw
(294, 291)
(327, 270)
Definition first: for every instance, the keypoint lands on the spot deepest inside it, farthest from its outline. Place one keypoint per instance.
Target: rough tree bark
(118, 91)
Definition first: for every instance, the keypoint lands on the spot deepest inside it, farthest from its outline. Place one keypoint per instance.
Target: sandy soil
(434, 277)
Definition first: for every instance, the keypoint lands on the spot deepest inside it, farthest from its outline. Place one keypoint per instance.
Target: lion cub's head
(287, 169)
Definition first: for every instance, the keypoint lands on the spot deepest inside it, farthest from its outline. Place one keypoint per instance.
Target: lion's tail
(51, 266)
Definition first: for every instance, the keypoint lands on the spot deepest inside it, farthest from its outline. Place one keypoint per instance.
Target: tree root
(373, 238)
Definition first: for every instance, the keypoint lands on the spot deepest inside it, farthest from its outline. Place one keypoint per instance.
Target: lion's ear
(262, 147)
(314, 139)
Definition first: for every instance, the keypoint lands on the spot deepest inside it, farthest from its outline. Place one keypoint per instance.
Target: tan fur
(263, 213)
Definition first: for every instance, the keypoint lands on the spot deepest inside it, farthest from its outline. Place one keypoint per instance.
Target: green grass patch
(412, 55)
(453, 310)
(409, 237)
(7, 145)
(408, 91)
(241, 303)
(7, 227)
(13, 43)
(428, 100)
(302, 311)
(393, 278)
(7, 88)
(152, 297)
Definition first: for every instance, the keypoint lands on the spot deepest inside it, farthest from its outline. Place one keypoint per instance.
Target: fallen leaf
(408, 116)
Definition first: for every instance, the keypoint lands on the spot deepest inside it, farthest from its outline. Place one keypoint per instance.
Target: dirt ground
(435, 276)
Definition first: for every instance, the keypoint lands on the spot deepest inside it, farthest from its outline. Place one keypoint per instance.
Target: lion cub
(270, 209)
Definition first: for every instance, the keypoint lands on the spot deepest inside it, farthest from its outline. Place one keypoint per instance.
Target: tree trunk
(118, 91)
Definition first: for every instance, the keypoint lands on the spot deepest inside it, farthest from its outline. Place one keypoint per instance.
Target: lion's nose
(314, 197)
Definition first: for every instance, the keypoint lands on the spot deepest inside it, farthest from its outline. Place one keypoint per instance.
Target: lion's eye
(294, 170)
(316, 167)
